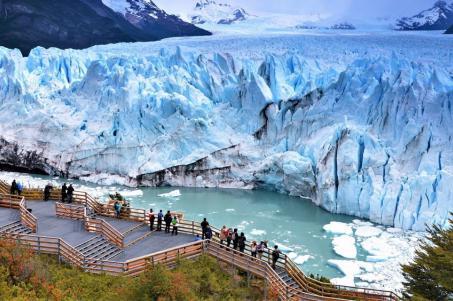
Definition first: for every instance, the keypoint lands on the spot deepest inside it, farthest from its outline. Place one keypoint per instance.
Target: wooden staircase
(136, 235)
(15, 228)
(98, 248)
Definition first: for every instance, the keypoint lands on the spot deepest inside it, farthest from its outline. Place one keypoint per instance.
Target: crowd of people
(155, 222)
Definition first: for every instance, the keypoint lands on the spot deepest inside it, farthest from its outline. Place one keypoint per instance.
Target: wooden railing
(27, 218)
(108, 231)
(309, 286)
(4, 187)
(76, 212)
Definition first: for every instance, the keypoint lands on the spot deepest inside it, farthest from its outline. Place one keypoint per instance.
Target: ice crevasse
(371, 138)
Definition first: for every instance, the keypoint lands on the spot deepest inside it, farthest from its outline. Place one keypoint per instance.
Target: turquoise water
(290, 222)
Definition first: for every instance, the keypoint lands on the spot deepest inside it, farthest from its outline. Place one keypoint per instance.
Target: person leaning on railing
(175, 224)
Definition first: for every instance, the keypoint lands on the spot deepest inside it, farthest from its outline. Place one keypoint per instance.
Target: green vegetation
(25, 276)
(320, 278)
(430, 276)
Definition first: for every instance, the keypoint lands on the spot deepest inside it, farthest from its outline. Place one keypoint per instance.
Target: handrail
(70, 211)
(27, 218)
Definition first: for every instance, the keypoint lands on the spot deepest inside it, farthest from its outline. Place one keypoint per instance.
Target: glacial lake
(293, 223)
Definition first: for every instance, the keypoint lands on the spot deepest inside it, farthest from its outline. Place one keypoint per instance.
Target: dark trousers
(151, 225)
(159, 225)
(63, 198)
(175, 230)
(203, 233)
(167, 227)
(228, 242)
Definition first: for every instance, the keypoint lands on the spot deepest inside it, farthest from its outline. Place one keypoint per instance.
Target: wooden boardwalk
(86, 234)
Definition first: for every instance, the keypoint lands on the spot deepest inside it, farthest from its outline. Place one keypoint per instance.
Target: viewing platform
(87, 234)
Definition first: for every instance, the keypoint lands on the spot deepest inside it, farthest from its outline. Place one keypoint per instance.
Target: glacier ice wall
(371, 138)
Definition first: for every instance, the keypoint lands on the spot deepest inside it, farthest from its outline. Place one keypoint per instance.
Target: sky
(340, 8)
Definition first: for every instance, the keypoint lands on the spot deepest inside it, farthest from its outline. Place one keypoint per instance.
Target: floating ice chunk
(379, 249)
(371, 277)
(284, 248)
(376, 258)
(359, 222)
(292, 255)
(367, 231)
(394, 230)
(301, 259)
(258, 232)
(338, 228)
(131, 193)
(345, 281)
(230, 210)
(172, 194)
(344, 246)
(347, 267)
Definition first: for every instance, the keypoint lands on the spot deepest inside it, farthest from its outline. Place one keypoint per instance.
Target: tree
(430, 275)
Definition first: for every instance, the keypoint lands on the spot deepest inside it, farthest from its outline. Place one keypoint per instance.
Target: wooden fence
(18, 202)
(76, 212)
(309, 286)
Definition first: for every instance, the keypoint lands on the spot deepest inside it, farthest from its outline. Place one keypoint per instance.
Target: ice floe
(338, 228)
(344, 246)
(172, 194)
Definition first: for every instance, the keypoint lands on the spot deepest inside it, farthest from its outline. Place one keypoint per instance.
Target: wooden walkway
(87, 235)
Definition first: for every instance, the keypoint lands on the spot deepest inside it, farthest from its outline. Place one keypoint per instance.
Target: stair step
(138, 239)
(85, 243)
(91, 243)
(132, 229)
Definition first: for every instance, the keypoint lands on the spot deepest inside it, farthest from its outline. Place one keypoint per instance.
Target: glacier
(364, 132)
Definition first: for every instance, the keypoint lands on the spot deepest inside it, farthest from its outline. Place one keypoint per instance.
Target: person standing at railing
(241, 242)
(167, 219)
(151, 220)
(117, 208)
(253, 248)
(229, 237)
(19, 188)
(160, 216)
(204, 226)
(223, 234)
(275, 256)
(70, 193)
(64, 193)
(260, 249)
(208, 233)
(47, 191)
(13, 188)
(175, 224)
(235, 237)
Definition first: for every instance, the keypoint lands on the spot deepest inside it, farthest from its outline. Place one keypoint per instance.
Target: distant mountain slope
(210, 11)
(25, 24)
(439, 17)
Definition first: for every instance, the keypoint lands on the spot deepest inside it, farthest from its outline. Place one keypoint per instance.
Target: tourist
(275, 256)
(160, 215)
(64, 193)
(13, 188)
(241, 242)
(229, 237)
(208, 232)
(175, 224)
(70, 193)
(19, 188)
(223, 234)
(167, 220)
(260, 249)
(204, 225)
(253, 248)
(235, 238)
(117, 208)
(47, 191)
(151, 220)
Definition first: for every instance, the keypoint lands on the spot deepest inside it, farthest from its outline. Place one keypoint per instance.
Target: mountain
(450, 30)
(439, 17)
(155, 22)
(210, 11)
(26, 24)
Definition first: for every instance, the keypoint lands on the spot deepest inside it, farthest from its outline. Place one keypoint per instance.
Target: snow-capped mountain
(439, 17)
(210, 11)
(147, 16)
(26, 24)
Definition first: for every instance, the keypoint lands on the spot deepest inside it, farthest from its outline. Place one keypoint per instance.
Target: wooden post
(193, 228)
(39, 244)
(59, 255)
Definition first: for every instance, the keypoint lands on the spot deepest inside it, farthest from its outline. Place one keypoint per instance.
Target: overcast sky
(360, 8)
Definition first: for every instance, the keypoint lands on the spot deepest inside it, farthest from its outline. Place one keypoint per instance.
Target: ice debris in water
(338, 228)
(172, 194)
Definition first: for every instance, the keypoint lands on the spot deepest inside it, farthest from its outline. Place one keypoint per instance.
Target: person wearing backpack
(235, 238)
(260, 249)
(168, 220)
(275, 256)
(208, 234)
(160, 216)
(229, 237)
(204, 226)
(175, 224)
(152, 217)
(253, 248)
(241, 242)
